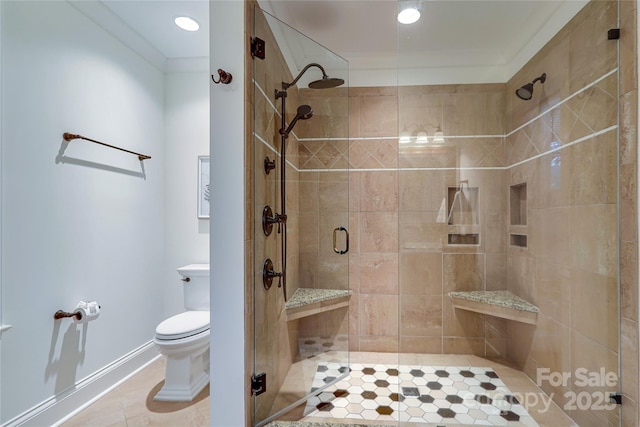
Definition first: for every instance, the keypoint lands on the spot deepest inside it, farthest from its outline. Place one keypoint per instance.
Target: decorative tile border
(560, 125)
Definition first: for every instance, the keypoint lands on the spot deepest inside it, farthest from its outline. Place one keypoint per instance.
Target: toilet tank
(195, 281)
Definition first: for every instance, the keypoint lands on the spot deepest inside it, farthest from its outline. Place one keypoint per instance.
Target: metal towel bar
(71, 136)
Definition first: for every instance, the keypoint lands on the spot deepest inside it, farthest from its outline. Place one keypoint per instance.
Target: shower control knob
(269, 218)
(269, 165)
(268, 274)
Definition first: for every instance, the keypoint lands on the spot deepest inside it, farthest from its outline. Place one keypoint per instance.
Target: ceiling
(153, 19)
(455, 41)
(147, 27)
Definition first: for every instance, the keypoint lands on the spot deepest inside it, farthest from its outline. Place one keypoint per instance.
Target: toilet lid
(183, 325)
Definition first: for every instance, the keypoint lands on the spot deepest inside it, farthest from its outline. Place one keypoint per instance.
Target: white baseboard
(59, 408)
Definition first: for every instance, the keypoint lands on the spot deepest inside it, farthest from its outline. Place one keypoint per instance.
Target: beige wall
(396, 241)
(402, 265)
(570, 267)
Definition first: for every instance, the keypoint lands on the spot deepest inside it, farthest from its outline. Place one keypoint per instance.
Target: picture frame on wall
(204, 189)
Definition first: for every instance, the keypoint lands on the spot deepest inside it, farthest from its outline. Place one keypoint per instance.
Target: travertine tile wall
(271, 340)
(401, 266)
(470, 117)
(570, 267)
(323, 206)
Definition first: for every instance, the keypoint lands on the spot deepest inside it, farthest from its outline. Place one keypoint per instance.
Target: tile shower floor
(420, 390)
(132, 404)
(455, 395)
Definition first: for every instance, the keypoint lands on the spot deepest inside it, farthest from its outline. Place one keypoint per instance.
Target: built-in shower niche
(518, 204)
(519, 240)
(463, 239)
(462, 203)
(463, 215)
(518, 215)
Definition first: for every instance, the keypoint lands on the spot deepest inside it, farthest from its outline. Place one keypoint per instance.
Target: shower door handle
(335, 247)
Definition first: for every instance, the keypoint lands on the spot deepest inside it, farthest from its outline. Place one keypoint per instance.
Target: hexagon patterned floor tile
(433, 394)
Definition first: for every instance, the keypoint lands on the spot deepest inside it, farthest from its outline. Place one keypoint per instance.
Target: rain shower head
(526, 92)
(304, 112)
(325, 83)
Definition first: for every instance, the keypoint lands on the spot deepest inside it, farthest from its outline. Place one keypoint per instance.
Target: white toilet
(184, 339)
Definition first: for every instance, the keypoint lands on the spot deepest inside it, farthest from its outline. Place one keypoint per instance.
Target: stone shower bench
(502, 304)
(307, 302)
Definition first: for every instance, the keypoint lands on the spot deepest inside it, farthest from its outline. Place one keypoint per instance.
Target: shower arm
(286, 86)
(540, 79)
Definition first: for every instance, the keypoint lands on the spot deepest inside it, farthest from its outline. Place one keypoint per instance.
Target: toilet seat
(183, 325)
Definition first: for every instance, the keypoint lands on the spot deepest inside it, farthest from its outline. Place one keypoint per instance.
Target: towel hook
(225, 78)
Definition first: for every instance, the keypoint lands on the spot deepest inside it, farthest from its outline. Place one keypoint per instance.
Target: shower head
(526, 91)
(325, 83)
(304, 112)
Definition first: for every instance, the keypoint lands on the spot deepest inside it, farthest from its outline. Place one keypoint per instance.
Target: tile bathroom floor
(131, 404)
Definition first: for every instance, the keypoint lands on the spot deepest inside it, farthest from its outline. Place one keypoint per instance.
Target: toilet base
(186, 374)
(182, 393)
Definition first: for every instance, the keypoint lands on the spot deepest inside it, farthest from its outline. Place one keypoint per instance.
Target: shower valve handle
(269, 218)
(279, 219)
(268, 274)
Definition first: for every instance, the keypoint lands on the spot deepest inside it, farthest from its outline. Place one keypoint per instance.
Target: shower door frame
(278, 350)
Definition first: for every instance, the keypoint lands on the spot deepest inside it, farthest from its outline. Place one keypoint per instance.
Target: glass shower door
(511, 247)
(301, 202)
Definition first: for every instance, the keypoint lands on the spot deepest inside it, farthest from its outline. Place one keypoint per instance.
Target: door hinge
(615, 398)
(613, 34)
(258, 384)
(257, 48)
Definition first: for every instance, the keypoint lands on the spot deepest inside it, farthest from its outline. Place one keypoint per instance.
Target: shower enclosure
(458, 195)
(301, 206)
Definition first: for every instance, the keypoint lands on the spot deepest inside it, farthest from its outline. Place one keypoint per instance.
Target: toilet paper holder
(83, 312)
(60, 314)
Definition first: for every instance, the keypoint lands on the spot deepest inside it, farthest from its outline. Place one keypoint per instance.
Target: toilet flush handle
(186, 279)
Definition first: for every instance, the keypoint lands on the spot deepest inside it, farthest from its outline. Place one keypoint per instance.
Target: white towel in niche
(463, 209)
(442, 213)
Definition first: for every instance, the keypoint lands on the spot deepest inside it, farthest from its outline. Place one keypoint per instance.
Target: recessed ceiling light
(408, 15)
(186, 23)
